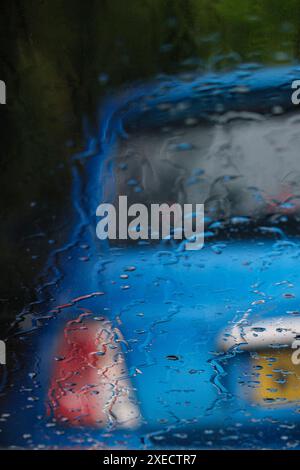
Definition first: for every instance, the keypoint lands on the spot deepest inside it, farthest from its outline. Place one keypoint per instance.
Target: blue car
(144, 344)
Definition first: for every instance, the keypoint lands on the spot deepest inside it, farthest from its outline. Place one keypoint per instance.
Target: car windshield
(139, 342)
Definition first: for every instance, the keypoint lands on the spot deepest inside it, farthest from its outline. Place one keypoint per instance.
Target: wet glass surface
(146, 345)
